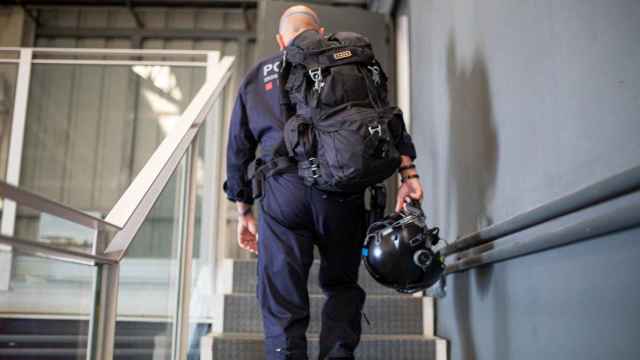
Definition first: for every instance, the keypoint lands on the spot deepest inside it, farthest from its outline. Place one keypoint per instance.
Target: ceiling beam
(138, 3)
(173, 3)
(54, 31)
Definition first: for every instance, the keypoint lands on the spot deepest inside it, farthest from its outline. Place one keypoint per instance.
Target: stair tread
(372, 347)
(244, 279)
(321, 296)
(387, 314)
(8, 337)
(313, 337)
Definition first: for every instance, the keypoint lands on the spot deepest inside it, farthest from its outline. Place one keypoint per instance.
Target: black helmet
(398, 251)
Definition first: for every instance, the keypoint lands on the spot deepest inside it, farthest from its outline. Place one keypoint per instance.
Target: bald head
(295, 20)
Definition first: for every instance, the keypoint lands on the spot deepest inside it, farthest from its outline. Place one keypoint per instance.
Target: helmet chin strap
(411, 213)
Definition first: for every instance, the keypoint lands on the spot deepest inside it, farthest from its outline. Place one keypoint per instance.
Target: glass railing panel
(8, 74)
(91, 128)
(53, 230)
(71, 139)
(149, 272)
(46, 309)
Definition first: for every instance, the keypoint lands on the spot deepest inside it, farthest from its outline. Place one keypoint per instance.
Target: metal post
(188, 188)
(219, 214)
(17, 137)
(7, 226)
(208, 220)
(102, 325)
(211, 191)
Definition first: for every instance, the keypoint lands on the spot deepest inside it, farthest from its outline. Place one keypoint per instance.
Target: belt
(259, 170)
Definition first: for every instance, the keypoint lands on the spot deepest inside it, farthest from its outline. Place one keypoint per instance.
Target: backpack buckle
(315, 167)
(316, 76)
(375, 129)
(375, 74)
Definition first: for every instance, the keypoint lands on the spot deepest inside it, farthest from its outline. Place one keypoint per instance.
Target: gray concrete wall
(576, 302)
(15, 26)
(516, 103)
(519, 102)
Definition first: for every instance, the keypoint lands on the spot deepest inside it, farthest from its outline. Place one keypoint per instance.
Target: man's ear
(321, 31)
(280, 41)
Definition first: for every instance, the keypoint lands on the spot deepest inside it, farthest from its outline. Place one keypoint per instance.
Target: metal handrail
(55, 252)
(107, 51)
(202, 55)
(618, 214)
(42, 204)
(619, 184)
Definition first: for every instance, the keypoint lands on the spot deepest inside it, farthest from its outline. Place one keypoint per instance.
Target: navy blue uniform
(294, 219)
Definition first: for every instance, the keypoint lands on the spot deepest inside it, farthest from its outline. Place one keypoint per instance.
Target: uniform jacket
(256, 122)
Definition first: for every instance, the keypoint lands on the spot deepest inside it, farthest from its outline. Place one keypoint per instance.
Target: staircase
(401, 325)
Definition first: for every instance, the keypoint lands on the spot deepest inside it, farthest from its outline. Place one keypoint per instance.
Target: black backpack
(334, 97)
(340, 131)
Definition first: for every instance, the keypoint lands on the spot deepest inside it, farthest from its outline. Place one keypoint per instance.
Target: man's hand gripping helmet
(398, 251)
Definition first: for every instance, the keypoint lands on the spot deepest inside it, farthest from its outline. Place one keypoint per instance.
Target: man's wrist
(403, 179)
(244, 209)
(405, 160)
(403, 168)
(407, 167)
(245, 212)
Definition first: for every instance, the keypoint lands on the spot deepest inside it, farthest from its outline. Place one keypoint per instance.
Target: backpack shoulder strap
(283, 76)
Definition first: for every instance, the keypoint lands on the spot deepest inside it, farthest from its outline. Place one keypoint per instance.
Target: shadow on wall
(472, 142)
(473, 155)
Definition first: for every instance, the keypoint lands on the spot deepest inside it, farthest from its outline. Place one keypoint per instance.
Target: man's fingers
(417, 194)
(247, 240)
(252, 247)
(249, 245)
(399, 203)
(252, 227)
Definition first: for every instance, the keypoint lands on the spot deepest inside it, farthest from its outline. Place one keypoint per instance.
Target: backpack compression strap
(259, 170)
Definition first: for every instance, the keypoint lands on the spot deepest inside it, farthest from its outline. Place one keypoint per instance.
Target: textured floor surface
(395, 330)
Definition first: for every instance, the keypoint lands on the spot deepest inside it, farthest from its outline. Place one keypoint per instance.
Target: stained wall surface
(515, 104)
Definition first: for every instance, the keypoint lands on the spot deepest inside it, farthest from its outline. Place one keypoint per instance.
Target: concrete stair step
(372, 347)
(57, 354)
(124, 328)
(387, 314)
(74, 341)
(244, 279)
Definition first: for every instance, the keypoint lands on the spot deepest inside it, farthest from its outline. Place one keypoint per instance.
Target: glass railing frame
(127, 215)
